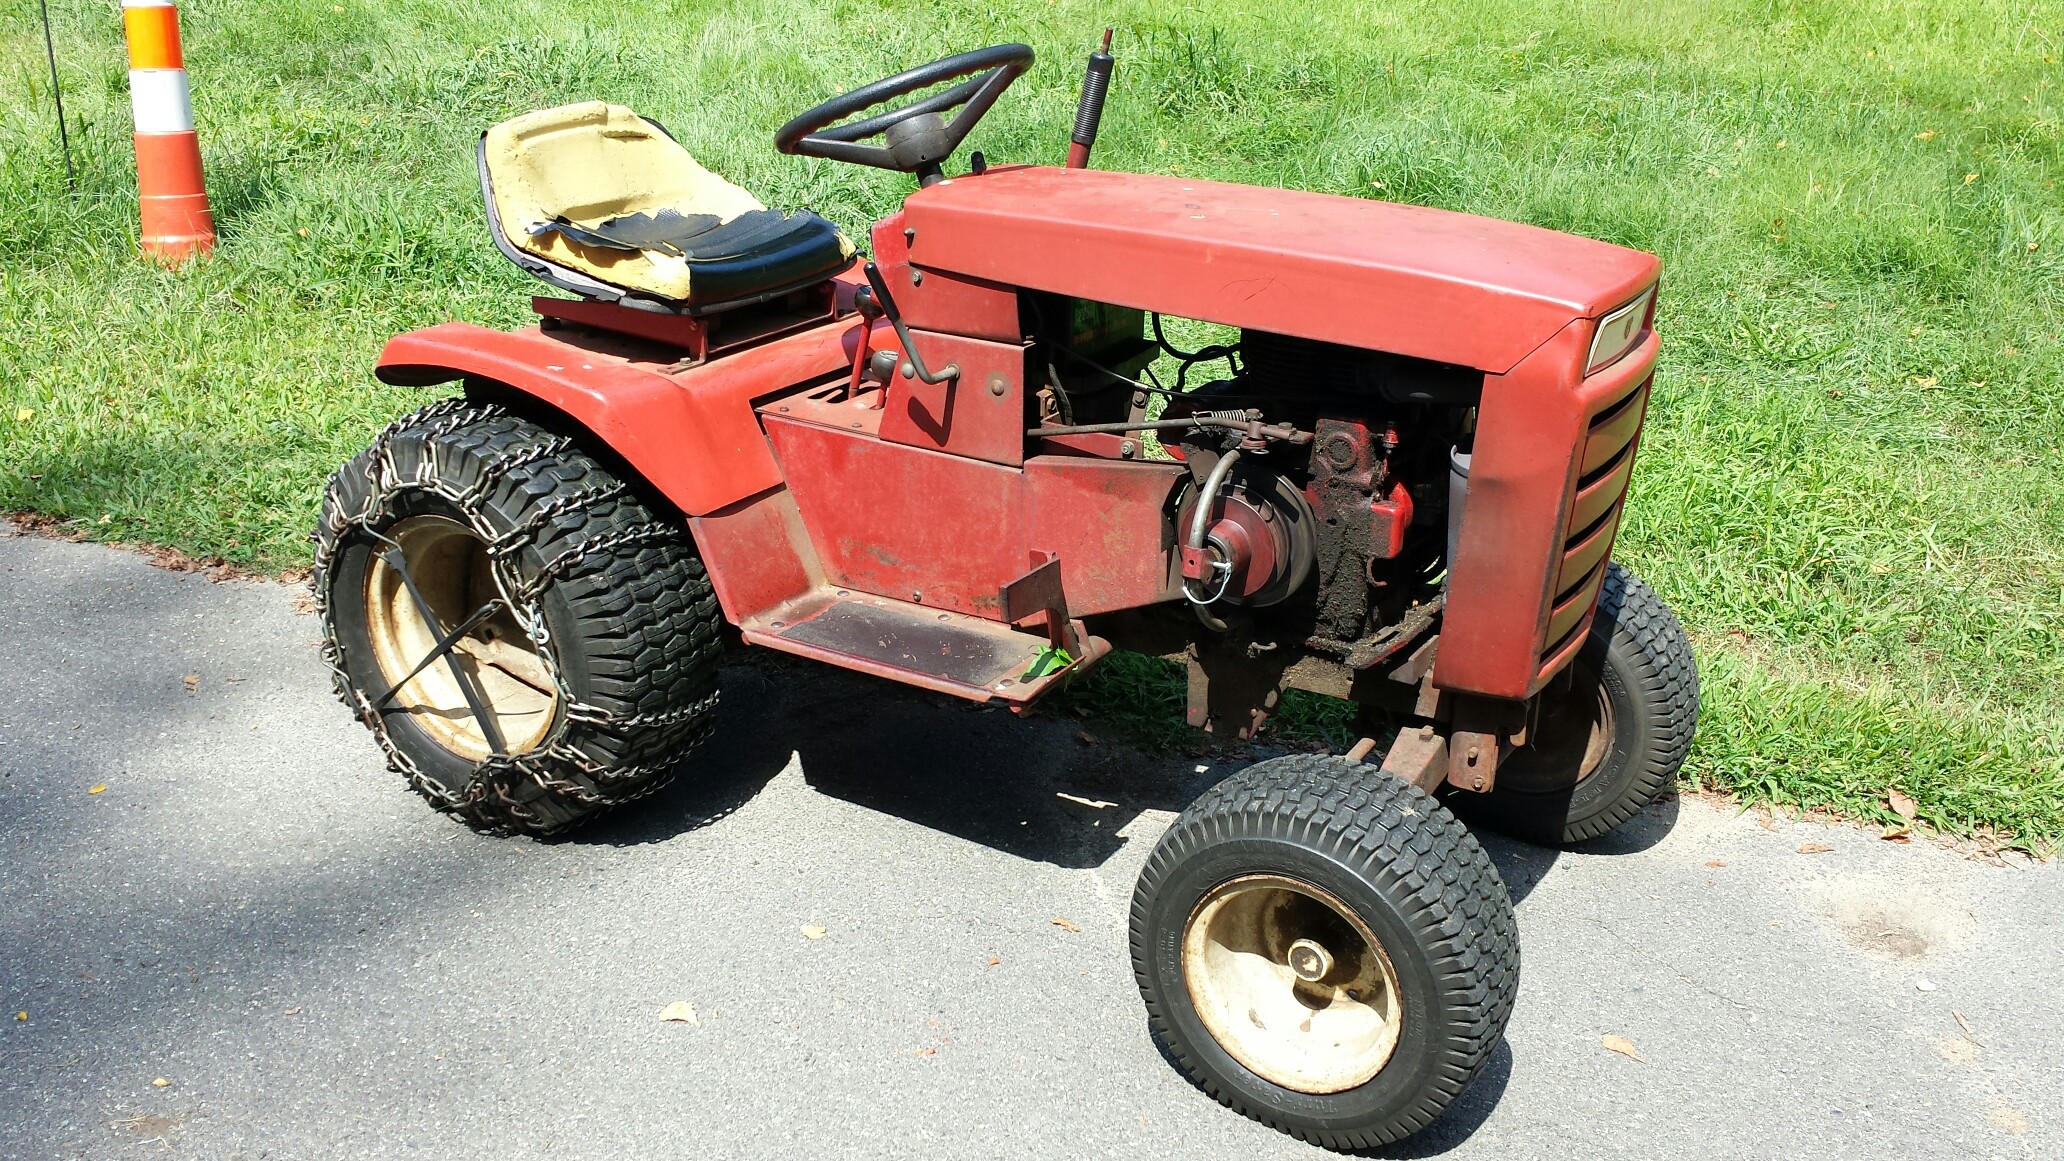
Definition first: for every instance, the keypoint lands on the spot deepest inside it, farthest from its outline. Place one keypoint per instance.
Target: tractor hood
(1428, 283)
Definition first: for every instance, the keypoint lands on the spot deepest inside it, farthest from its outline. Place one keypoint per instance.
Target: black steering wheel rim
(817, 132)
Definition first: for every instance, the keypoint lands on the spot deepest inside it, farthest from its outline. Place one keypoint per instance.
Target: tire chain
(497, 777)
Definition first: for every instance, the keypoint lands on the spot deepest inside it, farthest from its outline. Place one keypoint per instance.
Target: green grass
(1849, 484)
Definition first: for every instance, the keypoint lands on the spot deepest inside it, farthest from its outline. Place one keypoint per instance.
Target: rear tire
(1396, 933)
(597, 664)
(1635, 683)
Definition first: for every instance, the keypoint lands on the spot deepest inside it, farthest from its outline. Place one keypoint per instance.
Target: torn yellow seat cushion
(591, 162)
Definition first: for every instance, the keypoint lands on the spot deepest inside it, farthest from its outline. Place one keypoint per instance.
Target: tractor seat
(597, 200)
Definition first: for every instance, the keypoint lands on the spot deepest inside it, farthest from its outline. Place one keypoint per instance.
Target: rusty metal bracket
(1418, 756)
(1386, 642)
(1235, 685)
(1414, 668)
(1479, 740)
(1039, 591)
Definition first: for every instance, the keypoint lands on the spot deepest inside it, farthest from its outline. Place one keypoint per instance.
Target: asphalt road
(256, 943)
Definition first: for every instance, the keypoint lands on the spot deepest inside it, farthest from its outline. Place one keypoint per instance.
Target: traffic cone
(173, 199)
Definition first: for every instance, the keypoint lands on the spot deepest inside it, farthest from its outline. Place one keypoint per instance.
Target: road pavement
(256, 943)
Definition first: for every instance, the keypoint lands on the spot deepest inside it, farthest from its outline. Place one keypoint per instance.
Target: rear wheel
(1613, 729)
(528, 641)
(1325, 949)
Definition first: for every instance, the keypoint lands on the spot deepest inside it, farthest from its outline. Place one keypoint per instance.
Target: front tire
(583, 631)
(1325, 949)
(1613, 733)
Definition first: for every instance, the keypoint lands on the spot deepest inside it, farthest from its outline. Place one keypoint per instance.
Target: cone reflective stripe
(153, 33)
(169, 187)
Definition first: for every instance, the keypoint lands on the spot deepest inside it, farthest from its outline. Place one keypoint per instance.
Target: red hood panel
(1415, 281)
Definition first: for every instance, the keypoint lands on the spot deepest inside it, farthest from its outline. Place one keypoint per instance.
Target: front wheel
(1614, 728)
(1325, 949)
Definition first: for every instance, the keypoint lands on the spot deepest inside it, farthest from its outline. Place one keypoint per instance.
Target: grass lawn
(1851, 482)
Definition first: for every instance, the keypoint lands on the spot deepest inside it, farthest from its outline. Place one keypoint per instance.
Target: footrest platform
(945, 652)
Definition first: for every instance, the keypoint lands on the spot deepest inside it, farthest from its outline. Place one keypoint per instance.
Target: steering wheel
(916, 137)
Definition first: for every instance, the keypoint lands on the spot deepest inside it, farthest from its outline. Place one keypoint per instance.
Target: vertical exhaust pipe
(1089, 108)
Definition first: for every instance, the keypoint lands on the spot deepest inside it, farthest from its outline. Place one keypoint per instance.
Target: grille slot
(1592, 519)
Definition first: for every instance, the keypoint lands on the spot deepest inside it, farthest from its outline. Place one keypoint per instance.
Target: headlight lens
(1618, 330)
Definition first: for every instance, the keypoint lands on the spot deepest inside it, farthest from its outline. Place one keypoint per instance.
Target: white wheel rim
(450, 567)
(1292, 984)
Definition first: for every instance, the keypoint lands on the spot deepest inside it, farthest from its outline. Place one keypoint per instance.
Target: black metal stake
(444, 645)
(64, 137)
(475, 702)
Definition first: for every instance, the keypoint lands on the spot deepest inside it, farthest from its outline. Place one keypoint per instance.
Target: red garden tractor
(977, 463)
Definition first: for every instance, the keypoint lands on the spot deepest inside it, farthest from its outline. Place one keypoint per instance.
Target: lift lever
(913, 363)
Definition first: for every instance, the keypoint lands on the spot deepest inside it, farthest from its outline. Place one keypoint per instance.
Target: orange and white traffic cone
(176, 221)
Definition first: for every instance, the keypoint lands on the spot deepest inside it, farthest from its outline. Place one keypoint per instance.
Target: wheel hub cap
(1292, 984)
(1310, 961)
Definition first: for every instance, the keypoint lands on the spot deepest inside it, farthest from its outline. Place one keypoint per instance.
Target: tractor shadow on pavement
(1039, 788)
(1031, 787)
(1524, 865)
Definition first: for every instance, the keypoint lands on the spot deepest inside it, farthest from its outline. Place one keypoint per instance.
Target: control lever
(870, 310)
(913, 363)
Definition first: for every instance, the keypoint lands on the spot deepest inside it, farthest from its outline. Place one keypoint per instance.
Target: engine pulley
(1258, 542)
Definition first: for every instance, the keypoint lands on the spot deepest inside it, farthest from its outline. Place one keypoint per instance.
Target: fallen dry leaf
(193, 682)
(1902, 805)
(811, 931)
(1716, 862)
(24, 414)
(161, 1082)
(1086, 738)
(1898, 834)
(993, 961)
(1814, 848)
(1966, 1026)
(925, 1051)
(97, 788)
(1064, 924)
(680, 1012)
(1925, 135)
(1621, 1045)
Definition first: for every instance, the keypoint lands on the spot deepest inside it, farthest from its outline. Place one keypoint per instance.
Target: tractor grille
(1592, 519)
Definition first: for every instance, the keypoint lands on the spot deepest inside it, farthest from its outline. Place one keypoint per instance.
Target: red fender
(691, 433)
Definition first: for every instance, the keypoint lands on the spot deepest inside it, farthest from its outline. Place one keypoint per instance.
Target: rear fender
(691, 433)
